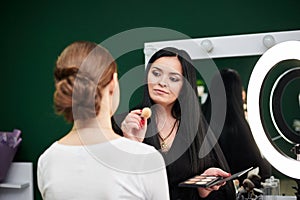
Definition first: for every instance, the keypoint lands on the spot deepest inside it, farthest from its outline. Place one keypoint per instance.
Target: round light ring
(282, 51)
(276, 107)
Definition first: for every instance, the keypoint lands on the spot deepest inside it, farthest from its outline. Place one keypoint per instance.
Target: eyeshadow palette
(200, 181)
(209, 181)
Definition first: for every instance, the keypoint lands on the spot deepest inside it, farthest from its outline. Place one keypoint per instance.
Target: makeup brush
(146, 113)
(248, 184)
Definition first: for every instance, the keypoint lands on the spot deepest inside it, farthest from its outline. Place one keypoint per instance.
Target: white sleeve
(40, 179)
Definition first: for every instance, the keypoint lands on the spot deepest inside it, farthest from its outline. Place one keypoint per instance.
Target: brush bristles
(146, 113)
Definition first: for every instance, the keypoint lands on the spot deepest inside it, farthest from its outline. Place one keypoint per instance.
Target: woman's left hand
(204, 192)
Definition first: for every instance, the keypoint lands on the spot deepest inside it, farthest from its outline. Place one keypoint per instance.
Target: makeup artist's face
(165, 80)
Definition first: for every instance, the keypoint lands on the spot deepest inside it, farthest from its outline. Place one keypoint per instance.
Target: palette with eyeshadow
(209, 181)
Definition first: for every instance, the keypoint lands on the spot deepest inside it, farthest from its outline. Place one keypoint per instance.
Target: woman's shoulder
(47, 153)
(136, 147)
(136, 157)
(57, 150)
(50, 148)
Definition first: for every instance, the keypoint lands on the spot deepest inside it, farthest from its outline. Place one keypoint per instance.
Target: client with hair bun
(91, 161)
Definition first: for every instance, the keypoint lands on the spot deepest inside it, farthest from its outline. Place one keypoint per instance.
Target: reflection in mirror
(278, 103)
(290, 105)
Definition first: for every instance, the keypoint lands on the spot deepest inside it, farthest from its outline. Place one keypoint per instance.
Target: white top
(118, 169)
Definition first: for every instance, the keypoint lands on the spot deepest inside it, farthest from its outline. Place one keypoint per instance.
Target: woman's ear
(114, 91)
(113, 83)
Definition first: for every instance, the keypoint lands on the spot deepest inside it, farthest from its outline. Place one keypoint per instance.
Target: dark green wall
(33, 33)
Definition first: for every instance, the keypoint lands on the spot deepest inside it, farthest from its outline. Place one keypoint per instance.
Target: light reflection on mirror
(286, 110)
(290, 105)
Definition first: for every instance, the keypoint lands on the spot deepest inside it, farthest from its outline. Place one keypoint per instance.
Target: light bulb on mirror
(207, 45)
(269, 41)
(149, 50)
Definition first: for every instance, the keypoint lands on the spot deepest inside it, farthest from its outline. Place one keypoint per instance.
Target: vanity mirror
(271, 112)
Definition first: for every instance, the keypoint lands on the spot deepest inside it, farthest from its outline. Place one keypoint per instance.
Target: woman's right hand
(134, 126)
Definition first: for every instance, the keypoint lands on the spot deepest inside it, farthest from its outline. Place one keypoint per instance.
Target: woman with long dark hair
(236, 140)
(177, 127)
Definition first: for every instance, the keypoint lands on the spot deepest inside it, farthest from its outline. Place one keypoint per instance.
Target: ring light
(279, 52)
(275, 105)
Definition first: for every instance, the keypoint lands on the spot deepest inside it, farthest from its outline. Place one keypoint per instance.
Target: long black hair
(234, 88)
(234, 102)
(243, 152)
(187, 110)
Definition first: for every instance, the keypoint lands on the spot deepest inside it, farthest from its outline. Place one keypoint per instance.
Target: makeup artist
(177, 127)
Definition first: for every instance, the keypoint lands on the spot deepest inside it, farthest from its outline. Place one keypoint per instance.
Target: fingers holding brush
(134, 125)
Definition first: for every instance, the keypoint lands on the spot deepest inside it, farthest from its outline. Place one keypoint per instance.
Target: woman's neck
(92, 131)
(164, 118)
(164, 112)
(167, 126)
(101, 121)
